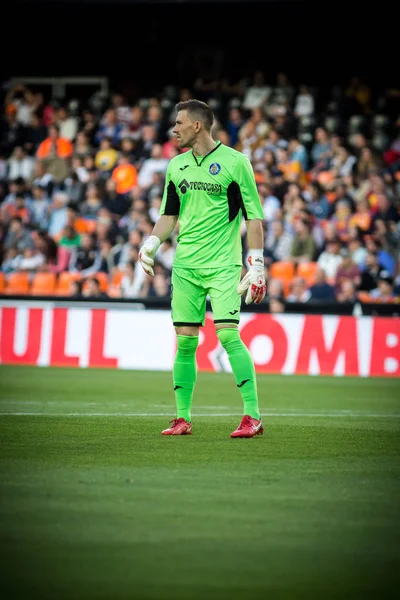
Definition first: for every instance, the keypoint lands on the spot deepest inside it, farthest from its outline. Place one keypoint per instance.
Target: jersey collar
(199, 162)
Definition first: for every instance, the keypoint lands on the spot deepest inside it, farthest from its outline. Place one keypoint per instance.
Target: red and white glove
(147, 252)
(254, 280)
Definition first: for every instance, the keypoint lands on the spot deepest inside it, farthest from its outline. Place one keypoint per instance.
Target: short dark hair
(198, 110)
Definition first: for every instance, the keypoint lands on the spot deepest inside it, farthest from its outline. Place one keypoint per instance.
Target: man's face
(185, 129)
(385, 287)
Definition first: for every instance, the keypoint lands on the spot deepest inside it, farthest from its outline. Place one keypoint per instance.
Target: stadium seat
(18, 283)
(82, 225)
(116, 278)
(364, 297)
(64, 282)
(282, 269)
(44, 284)
(307, 270)
(2, 282)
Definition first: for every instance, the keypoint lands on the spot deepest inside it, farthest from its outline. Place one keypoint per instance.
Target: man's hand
(147, 252)
(254, 280)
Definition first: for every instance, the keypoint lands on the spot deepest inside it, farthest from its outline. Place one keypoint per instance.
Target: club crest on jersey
(214, 169)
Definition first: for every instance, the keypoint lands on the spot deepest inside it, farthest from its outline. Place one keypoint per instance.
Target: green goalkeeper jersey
(210, 195)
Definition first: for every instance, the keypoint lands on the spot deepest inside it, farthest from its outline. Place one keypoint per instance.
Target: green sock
(184, 374)
(243, 369)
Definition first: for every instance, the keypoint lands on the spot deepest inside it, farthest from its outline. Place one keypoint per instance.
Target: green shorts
(190, 288)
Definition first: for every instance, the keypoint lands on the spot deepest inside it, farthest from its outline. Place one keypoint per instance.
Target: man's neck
(204, 146)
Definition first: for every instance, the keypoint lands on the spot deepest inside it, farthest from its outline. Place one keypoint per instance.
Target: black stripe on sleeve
(235, 201)
(172, 205)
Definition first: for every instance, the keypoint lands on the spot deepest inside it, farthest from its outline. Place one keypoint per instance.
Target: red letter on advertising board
(58, 358)
(313, 340)
(385, 350)
(97, 334)
(209, 344)
(265, 325)
(33, 337)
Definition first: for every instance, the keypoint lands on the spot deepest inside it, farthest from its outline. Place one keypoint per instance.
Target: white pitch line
(231, 414)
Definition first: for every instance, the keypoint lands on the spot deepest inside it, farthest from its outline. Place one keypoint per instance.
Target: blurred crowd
(81, 185)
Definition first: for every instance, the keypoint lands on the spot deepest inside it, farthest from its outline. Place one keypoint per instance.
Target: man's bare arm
(255, 234)
(165, 226)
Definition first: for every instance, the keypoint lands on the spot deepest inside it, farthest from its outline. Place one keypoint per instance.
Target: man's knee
(187, 344)
(228, 336)
(187, 330)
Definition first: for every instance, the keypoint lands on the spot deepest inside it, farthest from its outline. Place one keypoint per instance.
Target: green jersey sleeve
(244, 175)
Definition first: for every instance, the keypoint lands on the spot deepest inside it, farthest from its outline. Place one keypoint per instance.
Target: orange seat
(2, 282)
(44, 284)
(64, 282)
(116, 278)
(307, 271)
(283, 270)
(17, 283)
(82, 225)
(364, 297)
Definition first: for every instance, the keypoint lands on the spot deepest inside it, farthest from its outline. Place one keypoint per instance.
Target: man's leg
(243, 369)
(226, 308)
(185, 370)
(188, 303)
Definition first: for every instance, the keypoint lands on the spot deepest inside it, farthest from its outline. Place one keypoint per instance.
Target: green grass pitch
(97, 505)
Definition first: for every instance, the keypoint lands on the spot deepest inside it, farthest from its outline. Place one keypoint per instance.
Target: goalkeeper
(209, 188)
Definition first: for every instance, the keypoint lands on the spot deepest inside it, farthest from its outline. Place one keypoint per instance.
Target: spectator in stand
(131, 285)
(257, 93)
(75, 290)
(82, 145)
(304, 104)
(299, 291)
(54, 146)
(12, 132)
(320, 153)
(278, 242)
(66, 123)
(106, 157)
(303, 247)
(35, 133)
(330, 259)
(276, 305)
(274, 288)
(154, 164)
(356, 247)
(85, 258)
(370, 274)
(11, 260)
(347, 292)
(92, 289)
(32, 261)
(110, 127)
(384, 292)
(58, 214)
(20, 164)
(17, 236)
(321, 290)
(347, 270)
(317, 201)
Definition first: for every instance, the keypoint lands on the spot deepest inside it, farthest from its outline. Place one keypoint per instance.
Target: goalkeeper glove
(254, 280)
(147, 252)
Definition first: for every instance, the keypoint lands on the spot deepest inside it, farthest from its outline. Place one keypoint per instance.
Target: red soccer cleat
(248, 428)
(178, 427)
